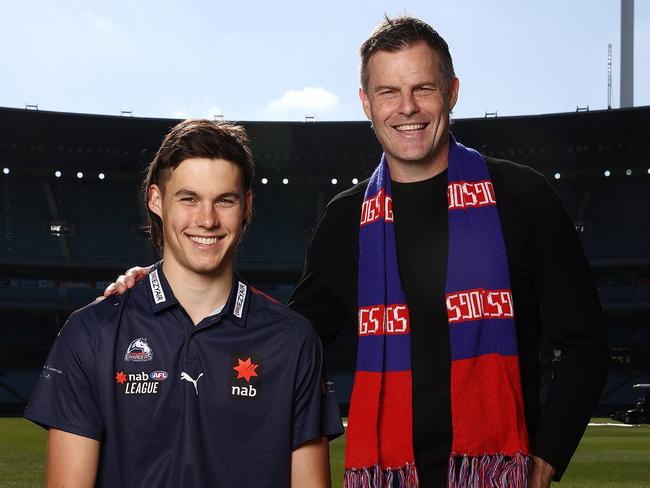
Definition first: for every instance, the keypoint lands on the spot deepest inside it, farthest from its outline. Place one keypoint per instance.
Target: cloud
(310, 99)
(99, 23)
(103, 24)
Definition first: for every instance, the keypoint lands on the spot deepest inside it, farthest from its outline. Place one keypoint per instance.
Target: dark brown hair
(399, 33)
(196, 139)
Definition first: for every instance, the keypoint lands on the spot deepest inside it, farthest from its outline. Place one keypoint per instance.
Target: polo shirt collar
(236, 308)
(239, 301)
(160, 293)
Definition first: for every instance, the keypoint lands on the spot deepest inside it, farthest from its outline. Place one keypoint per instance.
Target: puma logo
(187, 377)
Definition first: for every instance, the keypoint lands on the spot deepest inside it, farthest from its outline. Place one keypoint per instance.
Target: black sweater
(551, 286)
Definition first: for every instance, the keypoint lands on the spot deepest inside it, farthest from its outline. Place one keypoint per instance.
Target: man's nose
(408, 103)
(208, 216)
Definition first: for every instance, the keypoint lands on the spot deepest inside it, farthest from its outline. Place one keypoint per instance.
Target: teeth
(203, 240)
(410, 127)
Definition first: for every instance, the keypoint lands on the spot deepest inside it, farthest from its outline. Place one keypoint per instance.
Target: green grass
(22, 453)
(611, 457)
(337, 460)
(608, 457)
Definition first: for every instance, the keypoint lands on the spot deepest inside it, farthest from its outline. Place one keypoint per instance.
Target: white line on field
(591, 424)
(609, 424)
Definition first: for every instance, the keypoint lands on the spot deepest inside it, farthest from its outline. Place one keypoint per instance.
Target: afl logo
(159, 375)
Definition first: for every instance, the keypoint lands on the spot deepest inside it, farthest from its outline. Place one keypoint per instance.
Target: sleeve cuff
(52, 423)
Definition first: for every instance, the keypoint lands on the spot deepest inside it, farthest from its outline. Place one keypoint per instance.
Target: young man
(449, 266)
(193, 378)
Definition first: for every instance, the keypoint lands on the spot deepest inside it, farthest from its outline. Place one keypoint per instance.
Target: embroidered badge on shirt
(139, 351)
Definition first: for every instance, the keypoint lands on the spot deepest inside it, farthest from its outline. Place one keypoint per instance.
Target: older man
(450, 265)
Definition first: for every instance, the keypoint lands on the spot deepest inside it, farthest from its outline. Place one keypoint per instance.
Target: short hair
(196, 139)
(399, 33)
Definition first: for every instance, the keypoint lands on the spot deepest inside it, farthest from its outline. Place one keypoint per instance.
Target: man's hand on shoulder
(540, 473)
(126, 281)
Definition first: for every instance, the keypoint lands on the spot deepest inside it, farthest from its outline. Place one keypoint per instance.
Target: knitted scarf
(490, 442)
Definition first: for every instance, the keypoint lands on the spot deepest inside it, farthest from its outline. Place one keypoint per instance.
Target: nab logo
(137, 383)
(244, 383)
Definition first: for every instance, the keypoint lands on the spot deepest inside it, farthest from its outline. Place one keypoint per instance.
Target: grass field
(608, 457)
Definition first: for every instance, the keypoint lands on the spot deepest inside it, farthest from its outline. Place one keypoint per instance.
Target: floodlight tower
(627, 53)
(609, 77)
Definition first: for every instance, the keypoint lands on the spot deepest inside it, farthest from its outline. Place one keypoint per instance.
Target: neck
(199, 294)
(414, 171)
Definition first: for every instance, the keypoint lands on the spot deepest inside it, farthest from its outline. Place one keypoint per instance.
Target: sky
(284, 60)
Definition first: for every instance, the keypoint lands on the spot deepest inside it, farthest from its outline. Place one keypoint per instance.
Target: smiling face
(202, 206)
(408, 104)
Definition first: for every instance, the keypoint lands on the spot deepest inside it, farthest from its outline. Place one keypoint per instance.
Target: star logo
(246, 369)
(120, 377)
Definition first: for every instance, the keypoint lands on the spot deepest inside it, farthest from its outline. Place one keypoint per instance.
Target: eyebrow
(417, 85)
(384, 87)
(229, 194)
(184, 192)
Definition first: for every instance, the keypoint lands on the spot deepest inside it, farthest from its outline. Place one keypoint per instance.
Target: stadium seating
(104, 215)
(56, 272)
(25, 215)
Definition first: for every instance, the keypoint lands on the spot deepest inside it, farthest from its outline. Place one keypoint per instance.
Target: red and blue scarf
(490, 442)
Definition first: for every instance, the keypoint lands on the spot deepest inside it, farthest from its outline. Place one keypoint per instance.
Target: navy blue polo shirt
(219, 404)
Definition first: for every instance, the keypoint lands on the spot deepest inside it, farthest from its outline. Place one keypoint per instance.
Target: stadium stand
(63, 237)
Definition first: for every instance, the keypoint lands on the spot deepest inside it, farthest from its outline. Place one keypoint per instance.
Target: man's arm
(573, 321)
(316, 416)
(71, 460)
(310, 465)
(327, 291)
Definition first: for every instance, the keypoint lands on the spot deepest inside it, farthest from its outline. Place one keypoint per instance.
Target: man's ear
(154, 200)
(365, 103)
(248, 206)
(452, 94)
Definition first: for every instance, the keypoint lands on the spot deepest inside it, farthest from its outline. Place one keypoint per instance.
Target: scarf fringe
(488, 471)
(375, 477)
